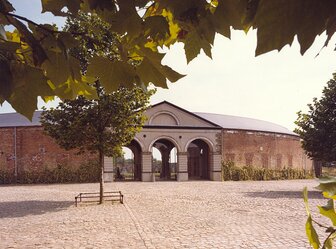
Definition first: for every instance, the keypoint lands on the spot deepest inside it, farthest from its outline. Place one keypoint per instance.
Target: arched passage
(164, 154)
(129, 166)
(198, 160)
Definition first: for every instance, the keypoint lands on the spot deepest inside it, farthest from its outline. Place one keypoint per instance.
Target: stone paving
(196, 214)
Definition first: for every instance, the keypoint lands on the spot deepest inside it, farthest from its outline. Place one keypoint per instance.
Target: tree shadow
(315, 194)
(24, 208)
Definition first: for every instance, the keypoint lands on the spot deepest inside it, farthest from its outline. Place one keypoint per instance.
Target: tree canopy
(101, 126)
(317, 128)
(104, 124)
(34, 58)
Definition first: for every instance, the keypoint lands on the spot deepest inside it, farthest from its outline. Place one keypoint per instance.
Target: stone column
(147, 169)
(108, 169)
(182, 166)
(216, 167)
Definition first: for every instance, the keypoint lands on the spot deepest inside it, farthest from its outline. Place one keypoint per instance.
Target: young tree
(34, 58)
(317, 128)
(104, 124)
(101, 126)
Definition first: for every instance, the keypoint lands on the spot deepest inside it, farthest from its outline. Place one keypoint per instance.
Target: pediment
(166, 114)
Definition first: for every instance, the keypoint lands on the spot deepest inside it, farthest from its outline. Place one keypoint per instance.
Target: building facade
(192, 145)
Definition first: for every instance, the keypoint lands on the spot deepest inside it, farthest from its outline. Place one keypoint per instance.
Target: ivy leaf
(111, 74)
(329, 211)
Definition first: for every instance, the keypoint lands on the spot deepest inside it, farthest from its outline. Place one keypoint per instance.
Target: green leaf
(329, 211)
(311, 234)
(229, 13)
(6, 79)
(156, 27)
(305, 198)
(56, 6)
(148, 73)
(279, 21)
(152, 71)
(31, 83)
(328, 244)
(9, 46)
(192, 46)
(112, 75)
(59, 67)
(73, 87)
(328, 186)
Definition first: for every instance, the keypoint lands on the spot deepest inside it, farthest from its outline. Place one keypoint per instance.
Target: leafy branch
(328, 187)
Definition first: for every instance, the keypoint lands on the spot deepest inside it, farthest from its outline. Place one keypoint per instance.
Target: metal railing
(94, 197)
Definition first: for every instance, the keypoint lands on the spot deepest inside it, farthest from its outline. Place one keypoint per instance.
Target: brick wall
(260, 149)
(35, 151)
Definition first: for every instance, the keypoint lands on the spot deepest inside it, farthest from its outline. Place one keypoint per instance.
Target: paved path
(198, 214)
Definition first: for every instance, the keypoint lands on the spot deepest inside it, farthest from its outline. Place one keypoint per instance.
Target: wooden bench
(94, 197)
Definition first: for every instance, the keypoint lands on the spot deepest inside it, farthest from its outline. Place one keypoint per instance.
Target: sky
(270, 87)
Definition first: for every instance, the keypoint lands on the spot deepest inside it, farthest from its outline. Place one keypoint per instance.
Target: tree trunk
(101, 189)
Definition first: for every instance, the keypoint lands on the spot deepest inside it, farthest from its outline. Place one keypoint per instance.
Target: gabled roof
(188, 112)
(17, 120)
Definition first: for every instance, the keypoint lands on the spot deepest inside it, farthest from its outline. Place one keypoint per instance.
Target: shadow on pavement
(24, 208)
(285, 194)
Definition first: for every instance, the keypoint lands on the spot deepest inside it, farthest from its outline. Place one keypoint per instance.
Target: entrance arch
(166, 168)
(129, 166)
(198, 160)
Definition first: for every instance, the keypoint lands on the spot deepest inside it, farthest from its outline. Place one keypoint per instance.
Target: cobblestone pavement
(196, 214)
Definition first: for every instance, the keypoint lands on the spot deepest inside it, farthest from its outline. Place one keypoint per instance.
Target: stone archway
(198, 160)
(167, 168)
(129, 168)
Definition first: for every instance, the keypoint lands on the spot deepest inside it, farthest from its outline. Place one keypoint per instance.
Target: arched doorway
(164, 160)
(128, 167)
(198, 160)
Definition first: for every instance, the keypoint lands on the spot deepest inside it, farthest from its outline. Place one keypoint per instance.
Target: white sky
(271, 87)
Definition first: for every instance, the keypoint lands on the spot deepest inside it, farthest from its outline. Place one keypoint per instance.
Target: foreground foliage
(35, 59)
(328, 187)
(317, 128)
(230, 172)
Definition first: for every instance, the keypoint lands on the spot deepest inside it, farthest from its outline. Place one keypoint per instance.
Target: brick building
(201, 141)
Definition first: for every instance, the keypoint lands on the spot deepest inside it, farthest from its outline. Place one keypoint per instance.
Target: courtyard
(194, 214)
